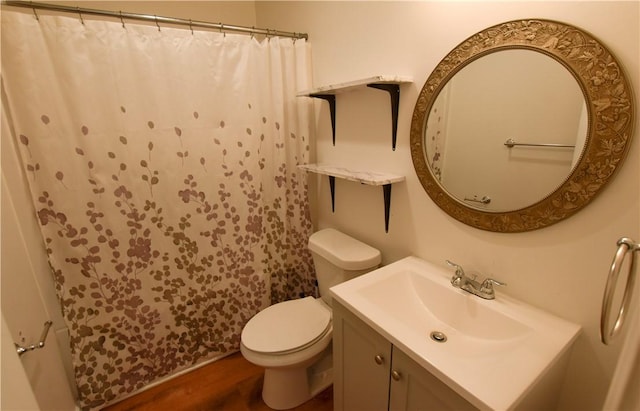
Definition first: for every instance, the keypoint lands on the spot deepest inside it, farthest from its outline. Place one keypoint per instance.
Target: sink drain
(438, 336)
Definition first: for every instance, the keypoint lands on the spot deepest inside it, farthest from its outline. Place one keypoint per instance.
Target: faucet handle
(458, 268)
(488, 283)
(459, 274)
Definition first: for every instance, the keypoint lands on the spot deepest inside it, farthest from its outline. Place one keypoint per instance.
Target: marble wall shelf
(363, 177)
(356, 84)
(390, 84)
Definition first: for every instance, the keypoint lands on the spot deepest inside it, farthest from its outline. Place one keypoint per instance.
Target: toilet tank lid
(343, 251)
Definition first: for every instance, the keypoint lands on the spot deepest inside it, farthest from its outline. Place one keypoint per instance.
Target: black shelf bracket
(394, 94)
(331, 99)
(332, 187)
(386, 191)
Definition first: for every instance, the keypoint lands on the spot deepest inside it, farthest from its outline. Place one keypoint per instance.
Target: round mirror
(509, 119)
(521, 125)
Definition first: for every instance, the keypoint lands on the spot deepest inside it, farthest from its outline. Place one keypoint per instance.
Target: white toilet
(292, 339)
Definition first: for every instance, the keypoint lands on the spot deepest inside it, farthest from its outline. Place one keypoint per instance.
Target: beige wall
(562, 268)
(24, 273)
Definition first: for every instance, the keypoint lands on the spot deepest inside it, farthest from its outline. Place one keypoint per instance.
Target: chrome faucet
(483, 290)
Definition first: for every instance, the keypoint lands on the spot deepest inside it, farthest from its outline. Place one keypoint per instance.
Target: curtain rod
(156, 19)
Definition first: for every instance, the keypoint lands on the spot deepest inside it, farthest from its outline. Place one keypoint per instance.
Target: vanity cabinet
(414, 388)
(362, 364)
(372, 374)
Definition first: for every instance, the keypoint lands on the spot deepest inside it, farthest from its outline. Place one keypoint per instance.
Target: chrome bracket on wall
(21, 350)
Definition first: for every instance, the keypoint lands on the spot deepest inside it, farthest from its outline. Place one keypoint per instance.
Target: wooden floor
(232, 384)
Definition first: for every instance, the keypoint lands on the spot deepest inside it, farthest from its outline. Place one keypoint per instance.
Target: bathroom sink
(491, 352)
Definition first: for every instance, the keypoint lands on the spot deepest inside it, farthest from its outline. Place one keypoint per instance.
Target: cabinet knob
(395, 375)
(379, 359)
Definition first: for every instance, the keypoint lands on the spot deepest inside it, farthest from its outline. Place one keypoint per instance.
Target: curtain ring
(224, 33)
(80, 15)
(191, 26)
(157, 22)
(122, 20)
(252, 31)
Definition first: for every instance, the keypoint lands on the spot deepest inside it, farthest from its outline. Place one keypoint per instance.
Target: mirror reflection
(517, 95)
(461, 122)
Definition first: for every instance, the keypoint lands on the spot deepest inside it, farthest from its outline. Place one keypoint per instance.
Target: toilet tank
(338, 258)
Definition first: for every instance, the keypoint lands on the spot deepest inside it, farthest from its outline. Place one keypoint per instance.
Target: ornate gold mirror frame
(610, 107)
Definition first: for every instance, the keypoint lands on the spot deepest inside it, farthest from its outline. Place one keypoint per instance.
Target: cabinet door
(414, 388)
(362, 360)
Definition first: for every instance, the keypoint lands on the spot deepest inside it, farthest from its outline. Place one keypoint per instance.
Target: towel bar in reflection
(475, 199)
(626, 246)
(511, 143)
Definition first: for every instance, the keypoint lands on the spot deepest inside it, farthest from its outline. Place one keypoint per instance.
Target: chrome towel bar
(625, 246)
(475, 199)
(21, 350)
(511, 143)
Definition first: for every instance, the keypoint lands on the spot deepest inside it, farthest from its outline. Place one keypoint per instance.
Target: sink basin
(431, 301)
(495, 351)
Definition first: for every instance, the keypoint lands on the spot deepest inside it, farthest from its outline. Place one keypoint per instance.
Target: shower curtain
(162, 166)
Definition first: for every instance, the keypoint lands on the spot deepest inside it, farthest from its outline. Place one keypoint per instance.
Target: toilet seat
(287, 327)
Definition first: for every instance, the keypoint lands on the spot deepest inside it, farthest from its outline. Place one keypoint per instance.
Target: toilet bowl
(292, 339)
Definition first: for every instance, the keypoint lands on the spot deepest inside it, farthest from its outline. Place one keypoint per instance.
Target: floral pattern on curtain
(162, 165)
